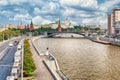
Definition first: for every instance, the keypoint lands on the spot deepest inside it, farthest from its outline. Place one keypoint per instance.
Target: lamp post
(3, 37)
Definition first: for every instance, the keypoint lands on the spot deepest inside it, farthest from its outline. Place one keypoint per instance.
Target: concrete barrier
(61, 74)
(50, 70)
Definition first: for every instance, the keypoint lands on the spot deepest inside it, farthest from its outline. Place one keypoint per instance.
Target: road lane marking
(2, 53)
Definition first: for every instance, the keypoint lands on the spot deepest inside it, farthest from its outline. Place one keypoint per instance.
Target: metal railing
(60, 73)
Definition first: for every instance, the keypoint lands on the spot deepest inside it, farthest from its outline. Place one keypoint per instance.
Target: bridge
(53, 34)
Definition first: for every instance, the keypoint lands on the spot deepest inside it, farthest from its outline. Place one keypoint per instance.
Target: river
(82, 59)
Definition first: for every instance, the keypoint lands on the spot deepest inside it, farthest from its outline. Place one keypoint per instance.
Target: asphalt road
(3, 46)
(6, 62)
(6, 44)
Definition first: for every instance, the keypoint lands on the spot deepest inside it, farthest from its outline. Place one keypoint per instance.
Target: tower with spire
(21, 26)
(59, 28)
(31, 28)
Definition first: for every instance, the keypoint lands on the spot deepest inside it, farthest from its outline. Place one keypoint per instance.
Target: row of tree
(9, 33)
(86, 28)
(28, 65)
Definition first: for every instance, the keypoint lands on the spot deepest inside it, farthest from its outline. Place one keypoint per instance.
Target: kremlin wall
(52, 25)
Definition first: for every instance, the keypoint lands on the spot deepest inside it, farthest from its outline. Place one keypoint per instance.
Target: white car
(10, 44)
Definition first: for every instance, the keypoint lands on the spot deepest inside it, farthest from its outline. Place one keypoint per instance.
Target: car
(15, 43)
(11, 44)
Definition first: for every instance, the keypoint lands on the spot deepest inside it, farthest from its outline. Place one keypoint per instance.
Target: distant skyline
(47, 11)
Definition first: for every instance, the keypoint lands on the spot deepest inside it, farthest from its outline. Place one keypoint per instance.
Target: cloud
(86, 4)
(87, 11)
(40, 20)
(37, 19)
(50, 8)
(22, 17)
(20, 10)
(46, 11)
(108, 4)
(97, 21)
(17, 2)
(12, 2)
(36, 10)
(6, 13)
(3, 2)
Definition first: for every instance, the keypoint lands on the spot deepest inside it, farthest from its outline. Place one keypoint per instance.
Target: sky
(48, 11)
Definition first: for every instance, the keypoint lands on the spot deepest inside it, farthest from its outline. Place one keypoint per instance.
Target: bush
(28, 65)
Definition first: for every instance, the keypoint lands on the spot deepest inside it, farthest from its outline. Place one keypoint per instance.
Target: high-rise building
(111, 30)
(116, 15)
(114, 22)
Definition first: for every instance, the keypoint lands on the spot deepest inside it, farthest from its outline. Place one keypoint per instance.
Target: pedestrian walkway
(51, 64)
(41, 73)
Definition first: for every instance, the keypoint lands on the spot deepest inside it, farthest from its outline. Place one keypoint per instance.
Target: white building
(114, 22)
(11, 26)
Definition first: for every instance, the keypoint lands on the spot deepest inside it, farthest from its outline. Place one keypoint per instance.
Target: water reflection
(82, 59)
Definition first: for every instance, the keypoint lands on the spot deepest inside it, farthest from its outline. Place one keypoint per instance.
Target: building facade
(21, 26)
(114, 22)
(117, 28)
(111, 29)
(10, 26)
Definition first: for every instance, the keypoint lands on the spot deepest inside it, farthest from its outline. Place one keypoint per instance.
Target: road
(6, 62)
(7, 59)
(5, 44)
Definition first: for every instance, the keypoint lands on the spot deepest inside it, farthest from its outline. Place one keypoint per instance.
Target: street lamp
(3, 37)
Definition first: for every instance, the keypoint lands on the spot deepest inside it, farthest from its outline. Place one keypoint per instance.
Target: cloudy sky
(46, 11)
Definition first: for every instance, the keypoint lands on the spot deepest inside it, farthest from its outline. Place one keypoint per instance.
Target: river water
(82, 59)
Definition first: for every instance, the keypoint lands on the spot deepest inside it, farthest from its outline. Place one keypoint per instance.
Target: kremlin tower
(31, 27)
(21, 26)
(59, 28)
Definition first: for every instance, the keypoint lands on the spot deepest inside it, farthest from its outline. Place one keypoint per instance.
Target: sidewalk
(50, 64)
(41, 73)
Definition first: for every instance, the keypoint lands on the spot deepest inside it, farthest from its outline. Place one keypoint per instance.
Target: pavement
(41, 73)
(51, 64)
